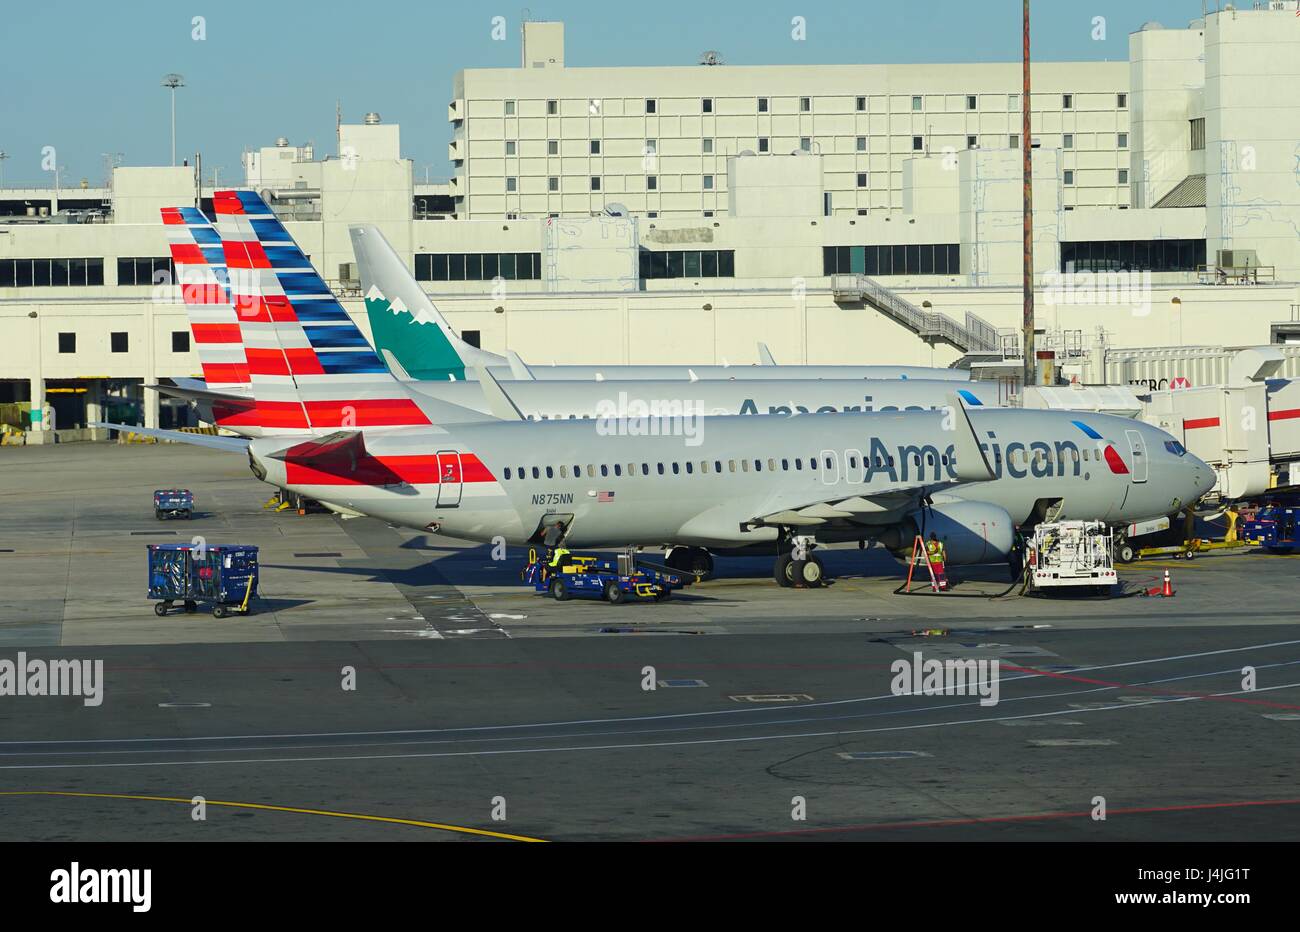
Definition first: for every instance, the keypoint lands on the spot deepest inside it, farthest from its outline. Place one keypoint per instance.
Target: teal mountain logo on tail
(421, 346)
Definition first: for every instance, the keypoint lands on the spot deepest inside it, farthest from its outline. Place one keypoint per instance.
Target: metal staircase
(976, 336)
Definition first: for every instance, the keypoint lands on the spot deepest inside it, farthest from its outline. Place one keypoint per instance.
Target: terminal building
(839, 213)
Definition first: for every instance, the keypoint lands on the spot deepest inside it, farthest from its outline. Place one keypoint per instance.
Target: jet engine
(972, 532)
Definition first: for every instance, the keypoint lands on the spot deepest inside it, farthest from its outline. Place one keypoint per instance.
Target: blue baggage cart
(589, 576)
(173, 503)
(224, 575)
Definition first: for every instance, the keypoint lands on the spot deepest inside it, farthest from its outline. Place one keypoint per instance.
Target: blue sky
(85, 77)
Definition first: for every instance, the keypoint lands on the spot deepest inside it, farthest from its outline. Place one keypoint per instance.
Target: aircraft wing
(867, 508)
(211, 441)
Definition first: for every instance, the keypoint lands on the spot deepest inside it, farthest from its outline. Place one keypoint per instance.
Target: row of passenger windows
(477, 267)
(823, 461)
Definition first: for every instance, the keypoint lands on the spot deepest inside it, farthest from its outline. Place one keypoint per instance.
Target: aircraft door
(1138, 453)
(450, 478)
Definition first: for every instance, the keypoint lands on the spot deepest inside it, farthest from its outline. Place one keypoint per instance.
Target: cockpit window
(1176, 448)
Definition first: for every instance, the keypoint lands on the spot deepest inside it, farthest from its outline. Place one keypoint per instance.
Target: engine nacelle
(972, 532)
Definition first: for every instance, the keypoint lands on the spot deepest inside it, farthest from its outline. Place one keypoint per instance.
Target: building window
(510, 147)
(708, 213)
(1013, 101)
(512, 184)
(41, 273)
(860, 144)
(762, 105)
(805, 104)
(595, 182)
(180, 341)
(652, 182)
(862, 179)
(971, 142)
(763, 143)
(552, 107)
(805, 143)
(595, 147)
(652, 214)
(924, 259)
(553, 183)
(1155, 255)
(918, 143)
(916, 103)
(119, 342)
(510, 108)
(1198, 133)
(707, 145)
(1067, 141)
(1122, 140)
(706, 105)
(690, 263)
(862, 104)
(1121, 101)
(1069, 176)
(472, 337)
(651, 147)
(145, 271)
(478, 266)
(67, 342)
(1067, 101)
(1013, 142)
(708, 182)
(651, 106)
(552, 147)
(970, 102)
(1123, 176)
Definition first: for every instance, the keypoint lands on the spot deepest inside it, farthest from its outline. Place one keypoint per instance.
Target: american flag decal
(604, 497)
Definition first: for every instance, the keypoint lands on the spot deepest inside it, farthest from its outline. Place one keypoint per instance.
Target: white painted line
(1072, 742)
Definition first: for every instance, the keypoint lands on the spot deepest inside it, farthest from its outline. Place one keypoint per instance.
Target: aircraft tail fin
(765, 356)
(404, 320)
(310, 367)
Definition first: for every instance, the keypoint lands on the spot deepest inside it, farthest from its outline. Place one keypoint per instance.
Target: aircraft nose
(1202, 475)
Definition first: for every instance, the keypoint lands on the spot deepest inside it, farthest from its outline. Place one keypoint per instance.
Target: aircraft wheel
(781, 571)
(1125, 552)
(808, 572)
(613, 594)
(559, 592)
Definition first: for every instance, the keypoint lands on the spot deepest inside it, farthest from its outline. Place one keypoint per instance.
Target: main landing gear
(691, 559)
(800, 568)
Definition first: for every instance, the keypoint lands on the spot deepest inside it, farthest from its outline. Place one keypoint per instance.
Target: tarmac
(484, 711)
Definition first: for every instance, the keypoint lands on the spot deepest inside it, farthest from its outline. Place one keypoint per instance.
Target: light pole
(173, 81)
(3, 155)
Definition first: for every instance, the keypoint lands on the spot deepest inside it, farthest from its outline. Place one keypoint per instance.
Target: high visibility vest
(934, 549)
(555, 556)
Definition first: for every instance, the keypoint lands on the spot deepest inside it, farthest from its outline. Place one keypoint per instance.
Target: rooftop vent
(711, 57)
(282, 141)
(371, 118)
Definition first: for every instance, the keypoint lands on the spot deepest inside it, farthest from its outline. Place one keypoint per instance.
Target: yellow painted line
(320, 812)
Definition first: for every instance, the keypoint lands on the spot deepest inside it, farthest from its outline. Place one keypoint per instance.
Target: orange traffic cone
(1167, 590)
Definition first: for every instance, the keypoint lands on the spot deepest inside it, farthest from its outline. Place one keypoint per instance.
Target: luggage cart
(224, 575)
(1071, 554)
(173, 503)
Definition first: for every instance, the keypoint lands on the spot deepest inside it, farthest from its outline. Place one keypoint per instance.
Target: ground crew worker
(934, 552)
(554, 541)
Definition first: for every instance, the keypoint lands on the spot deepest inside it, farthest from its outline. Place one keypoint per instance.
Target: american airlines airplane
(404, 321)
(756, 482)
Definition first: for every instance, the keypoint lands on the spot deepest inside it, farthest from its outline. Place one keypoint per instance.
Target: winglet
(971, 463)
(500, 404)
(765, 355)
(519, 369)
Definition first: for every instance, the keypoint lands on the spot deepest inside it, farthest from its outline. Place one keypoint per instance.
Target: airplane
(199, 260)
(405, 322)
(747, 483)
